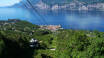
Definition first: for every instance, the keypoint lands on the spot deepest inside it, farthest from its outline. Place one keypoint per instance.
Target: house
(34, 43)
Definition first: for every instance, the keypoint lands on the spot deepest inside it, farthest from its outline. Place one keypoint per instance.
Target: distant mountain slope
(21, 4)
(70, 4)
(68, 1)
(64, 4)
(18, 5)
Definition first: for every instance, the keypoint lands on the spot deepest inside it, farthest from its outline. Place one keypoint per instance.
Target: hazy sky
(4, 3)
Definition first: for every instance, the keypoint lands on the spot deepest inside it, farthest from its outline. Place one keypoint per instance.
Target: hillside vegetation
(15, 37)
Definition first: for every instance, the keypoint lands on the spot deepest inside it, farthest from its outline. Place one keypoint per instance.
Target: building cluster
(9, 21)
(4, 24)
(51, 27)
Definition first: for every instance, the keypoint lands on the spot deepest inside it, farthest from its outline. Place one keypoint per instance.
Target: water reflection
(91, 20)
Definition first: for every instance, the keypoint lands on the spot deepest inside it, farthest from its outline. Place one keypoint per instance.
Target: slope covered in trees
(15, 36)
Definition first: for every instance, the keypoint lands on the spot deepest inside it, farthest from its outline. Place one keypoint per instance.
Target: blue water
(86, 20)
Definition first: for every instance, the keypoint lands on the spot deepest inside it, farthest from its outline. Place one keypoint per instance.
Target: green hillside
(15, 37)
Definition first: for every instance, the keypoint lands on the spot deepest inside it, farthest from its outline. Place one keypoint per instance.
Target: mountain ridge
(64, 5)
(72, 5)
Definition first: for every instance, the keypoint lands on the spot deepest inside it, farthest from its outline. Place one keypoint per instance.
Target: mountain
(63, 4)
(18, 5)
(70, 4)
(21, 4)
(68, 1)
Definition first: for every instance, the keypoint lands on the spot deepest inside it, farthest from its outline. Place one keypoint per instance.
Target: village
(51, 27)
(11, 22)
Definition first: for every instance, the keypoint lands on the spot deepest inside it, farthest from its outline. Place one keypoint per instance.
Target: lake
(85, 20)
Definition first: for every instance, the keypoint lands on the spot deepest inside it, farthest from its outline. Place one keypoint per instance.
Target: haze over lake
(90, 20)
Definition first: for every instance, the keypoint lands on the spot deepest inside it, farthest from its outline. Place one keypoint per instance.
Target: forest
(63, 43)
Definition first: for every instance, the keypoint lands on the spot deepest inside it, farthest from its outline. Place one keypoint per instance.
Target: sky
(4, 3)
